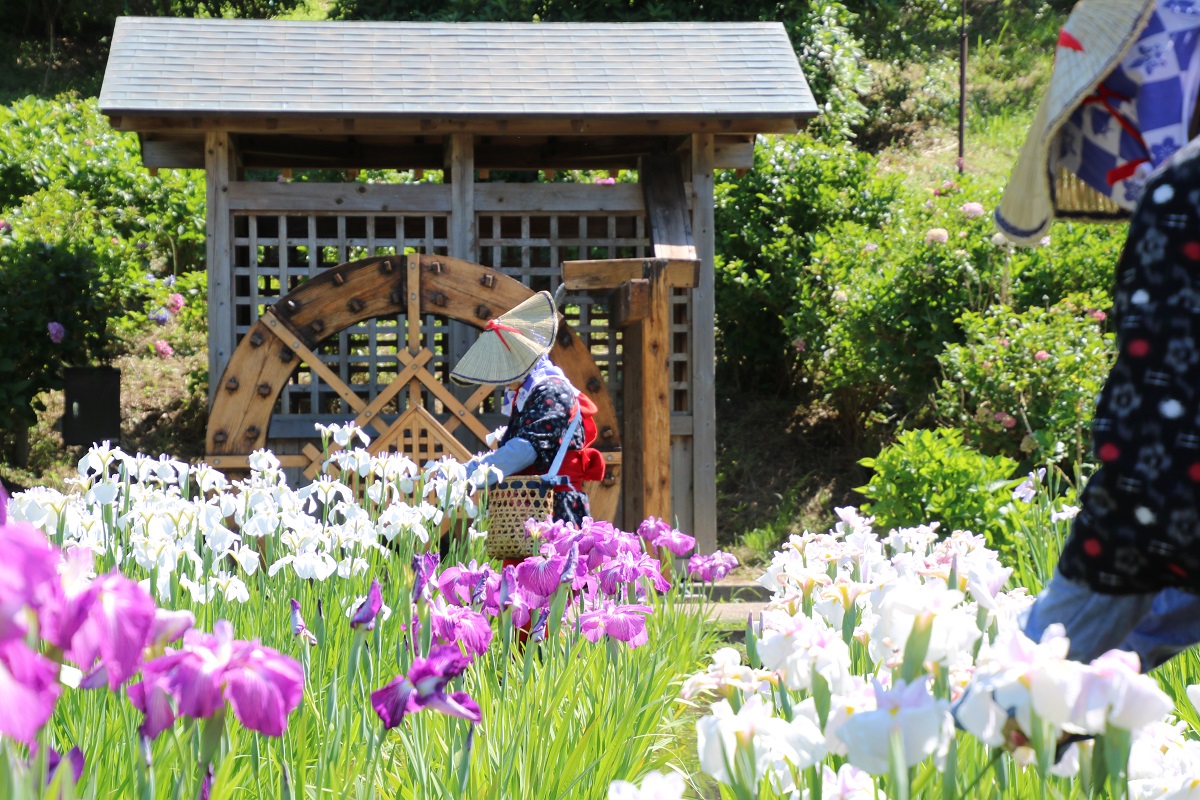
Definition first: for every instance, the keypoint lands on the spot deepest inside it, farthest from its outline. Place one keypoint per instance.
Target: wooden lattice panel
(419, 436)
(531, 247)
(275, 253)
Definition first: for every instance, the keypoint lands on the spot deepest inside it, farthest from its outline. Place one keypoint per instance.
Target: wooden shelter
(312, 285)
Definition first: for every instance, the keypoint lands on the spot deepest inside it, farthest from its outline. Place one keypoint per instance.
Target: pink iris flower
(659, 533)
(459, 624)
(541, 574)
(425, 687)
(465, 585)
(261, 685)
(627, 568)
(623, 623)
(105, 628)
(29, 689)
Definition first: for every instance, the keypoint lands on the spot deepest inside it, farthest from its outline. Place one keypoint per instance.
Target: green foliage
(1024, 384)
(88, 224)
(67, 143)
(44, 280)
(929, 476)
(888, 298)
(766, 222)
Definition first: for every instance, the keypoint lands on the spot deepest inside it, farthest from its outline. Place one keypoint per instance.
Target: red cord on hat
(497, 326)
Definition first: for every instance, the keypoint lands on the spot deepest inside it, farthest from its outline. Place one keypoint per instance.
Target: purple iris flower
(623, 623)
(541, 574)
(425, 687)
(28, 574)
(298, 626)
(169, 626)
(460, 584)
(107, 626)
(627, 568)
(368, 609)
(459, 624)
(29, 689)
(73, 757)
(711, 568)
(538, 632)
(261, 685)
(424, 565)
(660, 534)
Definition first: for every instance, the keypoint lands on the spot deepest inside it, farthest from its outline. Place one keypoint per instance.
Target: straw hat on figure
(549, 420)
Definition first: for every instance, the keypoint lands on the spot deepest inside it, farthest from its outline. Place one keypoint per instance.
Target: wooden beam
(234, 461)
(342, 197)
(218, 168)
(703, 355)
(667, 208)
(630, 303)
(622, 198)
(613, 272)
(379, 124)
(647, 349)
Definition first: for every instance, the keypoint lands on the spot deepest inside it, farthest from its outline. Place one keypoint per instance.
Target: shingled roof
(164, 67)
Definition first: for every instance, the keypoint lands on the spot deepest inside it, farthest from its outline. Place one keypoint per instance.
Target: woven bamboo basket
(1074, 199)
(510, 504)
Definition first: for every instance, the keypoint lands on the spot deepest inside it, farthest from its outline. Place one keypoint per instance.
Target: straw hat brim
(511, 344)
(1094, 39)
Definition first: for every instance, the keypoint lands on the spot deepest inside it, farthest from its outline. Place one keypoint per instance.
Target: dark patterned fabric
(1138, 528)
(542, 422)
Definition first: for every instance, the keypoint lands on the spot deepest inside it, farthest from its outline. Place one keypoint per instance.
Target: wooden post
(218, 170)
(704, 357)
(647, 489)
(462, 244)
(642, 298)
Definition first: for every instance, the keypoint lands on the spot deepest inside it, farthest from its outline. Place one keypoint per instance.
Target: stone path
(734, 600)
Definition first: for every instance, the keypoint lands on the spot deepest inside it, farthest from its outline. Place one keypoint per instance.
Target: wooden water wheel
(288, 333)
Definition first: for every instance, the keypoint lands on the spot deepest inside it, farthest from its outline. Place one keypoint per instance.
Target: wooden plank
(227, 461)
(704, 359)
(731, 152)
(173, 153)
(473, 402)
(613, 272)
(681, 483)
(412, 320)
(667, 208)
(630, 303)
(382, 124)
(218, 167)
(603, 499)
(339, 198)
(451, 402)
(294, 341)
(647, 468)
(370, 414)
(621, 198)
(462, 241)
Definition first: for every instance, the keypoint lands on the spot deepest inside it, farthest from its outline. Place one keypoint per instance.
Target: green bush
(1024, 384)
(892, 297)
(929, 476)
(46, 280)
(68, 144)
(766, 223)
(88, 233)
(886, 298)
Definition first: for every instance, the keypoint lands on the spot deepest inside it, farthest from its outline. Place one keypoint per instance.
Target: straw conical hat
(1091, 45)
(510, 344)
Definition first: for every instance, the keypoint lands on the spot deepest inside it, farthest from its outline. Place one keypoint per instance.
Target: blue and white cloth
(543, 370)
(1140, 114)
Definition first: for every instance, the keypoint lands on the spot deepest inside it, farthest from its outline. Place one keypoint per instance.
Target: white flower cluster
(188, 526)
(869, 643)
